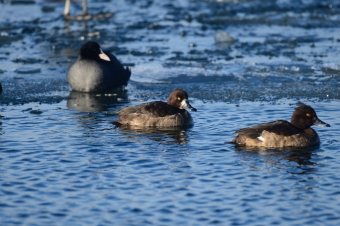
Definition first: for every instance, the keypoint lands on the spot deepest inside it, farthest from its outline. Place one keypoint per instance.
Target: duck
(281, 133)
(172, 113)
(96, 70)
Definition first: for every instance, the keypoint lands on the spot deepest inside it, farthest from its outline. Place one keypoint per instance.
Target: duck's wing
(279, 127)
(152, 109)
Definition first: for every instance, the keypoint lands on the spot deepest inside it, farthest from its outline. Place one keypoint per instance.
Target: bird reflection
(92, 102)
(84, 16)
(301, 156)
(176, 134)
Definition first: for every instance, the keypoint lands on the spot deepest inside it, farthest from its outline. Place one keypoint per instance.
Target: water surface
(62, 162)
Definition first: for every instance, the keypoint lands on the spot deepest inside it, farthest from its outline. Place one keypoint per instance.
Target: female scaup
(96, 71)
(281, 133)
(158, 113)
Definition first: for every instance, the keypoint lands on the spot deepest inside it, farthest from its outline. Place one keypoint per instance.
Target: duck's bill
(185, 104)
(103, 56)
(318, 122)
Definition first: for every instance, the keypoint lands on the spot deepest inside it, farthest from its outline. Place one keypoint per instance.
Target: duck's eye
(308, 115)
(178, 98)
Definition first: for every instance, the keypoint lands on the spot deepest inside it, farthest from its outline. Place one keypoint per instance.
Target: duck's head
(179, 99)
(305, 116)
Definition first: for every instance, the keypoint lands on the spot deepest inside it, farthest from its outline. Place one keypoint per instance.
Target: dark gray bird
(96, 71)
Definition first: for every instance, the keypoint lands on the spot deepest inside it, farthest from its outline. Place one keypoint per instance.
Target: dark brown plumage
(281, 133)
(158, 113)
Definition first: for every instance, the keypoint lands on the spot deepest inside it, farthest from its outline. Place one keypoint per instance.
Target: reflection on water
(90, 102)
(177, 134)
(301, 156)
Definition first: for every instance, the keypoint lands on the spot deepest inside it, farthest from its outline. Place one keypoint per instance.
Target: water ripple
(64, 163)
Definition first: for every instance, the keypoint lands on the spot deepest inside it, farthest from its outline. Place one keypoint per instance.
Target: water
(62, 162)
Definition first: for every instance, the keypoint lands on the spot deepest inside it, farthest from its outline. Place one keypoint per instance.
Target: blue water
(62, 162)
(65, 167)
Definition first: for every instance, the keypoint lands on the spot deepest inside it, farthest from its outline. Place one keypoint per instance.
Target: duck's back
(279, 133)
(280, 127)
(154, 114)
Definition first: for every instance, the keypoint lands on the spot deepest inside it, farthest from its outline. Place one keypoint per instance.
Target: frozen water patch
(242, 71)
(333, 66)
(27, 70)
(159, 74)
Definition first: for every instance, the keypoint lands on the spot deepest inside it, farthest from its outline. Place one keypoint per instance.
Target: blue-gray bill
(318, 122)
(185, 104)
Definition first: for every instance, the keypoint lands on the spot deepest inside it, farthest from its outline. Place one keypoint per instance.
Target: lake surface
(62, 162)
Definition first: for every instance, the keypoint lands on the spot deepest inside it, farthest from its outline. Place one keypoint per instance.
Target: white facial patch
(183, 104)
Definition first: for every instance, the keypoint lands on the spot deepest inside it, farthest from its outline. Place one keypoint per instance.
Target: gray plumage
(92, 72)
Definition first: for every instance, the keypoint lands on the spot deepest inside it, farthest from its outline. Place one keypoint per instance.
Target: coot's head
(92, 51)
